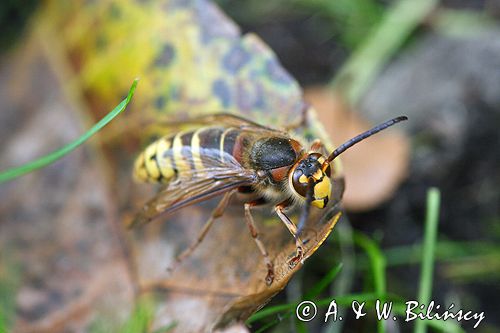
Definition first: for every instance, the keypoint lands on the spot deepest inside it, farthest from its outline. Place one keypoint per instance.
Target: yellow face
(322, 191)
(311, 168)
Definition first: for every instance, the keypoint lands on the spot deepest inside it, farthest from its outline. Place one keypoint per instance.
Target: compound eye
(299, 182)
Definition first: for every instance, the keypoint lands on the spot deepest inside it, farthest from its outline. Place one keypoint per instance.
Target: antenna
(360, 137)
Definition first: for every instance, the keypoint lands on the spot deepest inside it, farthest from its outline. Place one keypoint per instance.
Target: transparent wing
(201, 177)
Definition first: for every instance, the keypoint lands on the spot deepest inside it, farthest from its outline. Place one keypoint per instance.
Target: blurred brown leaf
(57, 223)
(373, 169)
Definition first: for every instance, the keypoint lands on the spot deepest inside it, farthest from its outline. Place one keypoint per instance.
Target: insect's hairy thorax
(268, 153)
(273, 157)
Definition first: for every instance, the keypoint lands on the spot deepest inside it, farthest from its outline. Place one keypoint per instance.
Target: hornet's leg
(216, 213)
(255, 235)
(279, 208)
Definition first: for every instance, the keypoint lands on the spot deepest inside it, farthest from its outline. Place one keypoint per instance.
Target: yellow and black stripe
(182, 155)
(156, 163)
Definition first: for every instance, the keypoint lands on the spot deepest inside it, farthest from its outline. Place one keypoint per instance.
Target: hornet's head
(310, 176)
(311, 170)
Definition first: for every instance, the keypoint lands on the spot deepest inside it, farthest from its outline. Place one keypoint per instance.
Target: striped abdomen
(188, 153)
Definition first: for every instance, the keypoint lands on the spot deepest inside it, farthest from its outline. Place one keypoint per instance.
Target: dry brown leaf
(373, 169)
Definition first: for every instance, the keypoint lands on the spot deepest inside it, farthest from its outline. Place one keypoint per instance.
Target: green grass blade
(168, 328)
(141, 317)
(323, 283)
(378, 264)
(273, 323)
(54, 156)
(377, 260)
(9, 283)
(269, 311)
(430, 237)
(396, 26)
(346, 300)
